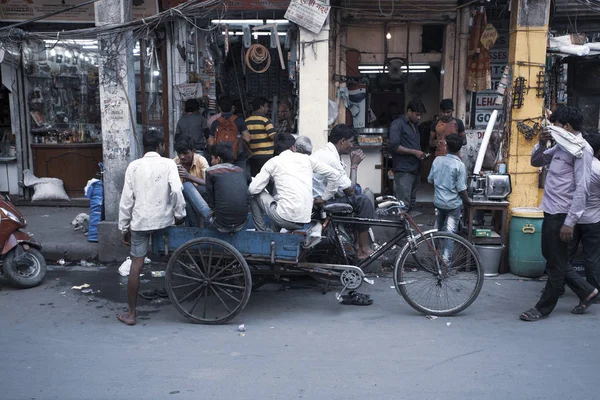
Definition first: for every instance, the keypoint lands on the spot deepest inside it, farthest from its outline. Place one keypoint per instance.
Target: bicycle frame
(405, 223)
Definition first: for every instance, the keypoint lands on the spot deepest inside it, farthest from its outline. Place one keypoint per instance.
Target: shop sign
(240, 4)
(188, 91)
(482, 117)
(484, 101)
(309, 14)
(23, 10)
(499, 56)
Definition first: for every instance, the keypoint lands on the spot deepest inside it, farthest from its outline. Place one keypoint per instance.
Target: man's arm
(243, 129)
(270, 129)
(539, 155)
(432, 171)
(333, 177)
(176, 192)
(260, 181)
(210, 191)
(461, 131)
(211, 135)
(126, 203)
(461, 184)
(356, 157)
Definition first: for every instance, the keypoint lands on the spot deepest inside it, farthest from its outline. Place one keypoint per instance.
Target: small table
(498, 230)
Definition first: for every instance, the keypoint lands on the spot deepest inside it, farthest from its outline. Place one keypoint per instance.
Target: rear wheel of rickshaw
(208, 281)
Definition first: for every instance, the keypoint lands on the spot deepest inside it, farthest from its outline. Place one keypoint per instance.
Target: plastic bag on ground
(125, 267)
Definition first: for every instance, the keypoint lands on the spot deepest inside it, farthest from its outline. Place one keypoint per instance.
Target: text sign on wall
(23, 10)
(309, 14)
(482, 117)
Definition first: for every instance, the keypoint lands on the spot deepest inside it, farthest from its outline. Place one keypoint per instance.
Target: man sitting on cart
(341, 140)
(226, 203)
(292, 172)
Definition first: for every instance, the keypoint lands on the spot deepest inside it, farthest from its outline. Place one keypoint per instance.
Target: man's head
(225, 104)
(283, 111)
(454, 143)
(184, 146)
(303, 145)
(221, 153)
(154, 140)
(446, 109)
(192, 106)
(414, 110)
(260, 104)
(283, 142)
(594, 141)
(342, 136)
(568, 118)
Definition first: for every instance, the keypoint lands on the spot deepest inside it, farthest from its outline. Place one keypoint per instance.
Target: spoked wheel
(208, 281)
(441, 276)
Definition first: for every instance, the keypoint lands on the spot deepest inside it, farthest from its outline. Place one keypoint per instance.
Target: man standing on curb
(565, 196)
(405, 146)
(152, 199)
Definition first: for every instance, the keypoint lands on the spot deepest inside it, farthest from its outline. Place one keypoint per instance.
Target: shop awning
(409, 10)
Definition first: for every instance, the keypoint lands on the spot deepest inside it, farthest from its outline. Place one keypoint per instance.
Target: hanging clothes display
(479, 75)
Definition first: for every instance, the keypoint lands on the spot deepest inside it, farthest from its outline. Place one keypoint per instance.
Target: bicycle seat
(338, 208)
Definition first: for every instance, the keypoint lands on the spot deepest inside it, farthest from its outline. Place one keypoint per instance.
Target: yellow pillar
(527, 57)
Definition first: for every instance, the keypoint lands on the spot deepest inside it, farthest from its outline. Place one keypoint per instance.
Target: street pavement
(60, 343)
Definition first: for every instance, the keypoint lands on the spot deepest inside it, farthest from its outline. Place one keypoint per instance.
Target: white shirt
(152, 194)
(293, 176)
(329, 155)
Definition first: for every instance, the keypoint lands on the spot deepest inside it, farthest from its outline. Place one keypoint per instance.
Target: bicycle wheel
(441, 276)
(208, 281)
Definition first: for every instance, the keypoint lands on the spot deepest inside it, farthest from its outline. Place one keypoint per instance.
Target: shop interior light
(388, 36)
(90, 47)
(413, 67)
(156, 73)
(278, 21)
(233, 33)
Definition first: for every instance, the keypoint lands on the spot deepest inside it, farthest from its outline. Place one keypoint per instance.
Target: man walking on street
(405, 146)
(152, 199)
(565, 196)
(587, 230)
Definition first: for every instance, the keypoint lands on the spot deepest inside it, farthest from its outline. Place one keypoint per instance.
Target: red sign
(240, 4)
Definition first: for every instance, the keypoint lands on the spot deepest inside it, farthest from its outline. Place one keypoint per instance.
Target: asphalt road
(58, 343)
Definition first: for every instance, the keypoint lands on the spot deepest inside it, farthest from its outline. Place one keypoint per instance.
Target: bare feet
(126, 319)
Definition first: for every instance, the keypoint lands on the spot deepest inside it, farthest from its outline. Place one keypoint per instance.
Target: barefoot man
(152, 199)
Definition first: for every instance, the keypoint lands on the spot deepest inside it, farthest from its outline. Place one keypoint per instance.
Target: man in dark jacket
(405, 146)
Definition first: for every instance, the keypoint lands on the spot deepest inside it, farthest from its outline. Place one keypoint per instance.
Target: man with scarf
(565, 196)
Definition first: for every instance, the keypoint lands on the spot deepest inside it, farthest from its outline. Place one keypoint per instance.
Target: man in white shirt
(341, 140)
(152, 199)
(292, 171)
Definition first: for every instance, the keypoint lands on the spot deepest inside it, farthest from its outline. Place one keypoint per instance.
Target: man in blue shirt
(405, 147)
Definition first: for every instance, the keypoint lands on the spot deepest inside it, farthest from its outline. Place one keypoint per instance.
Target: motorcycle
(22, 263)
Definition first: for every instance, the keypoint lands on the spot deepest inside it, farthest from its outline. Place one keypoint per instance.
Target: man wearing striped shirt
(262, 135)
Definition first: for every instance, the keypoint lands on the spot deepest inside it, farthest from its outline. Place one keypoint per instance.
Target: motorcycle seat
(338, 208)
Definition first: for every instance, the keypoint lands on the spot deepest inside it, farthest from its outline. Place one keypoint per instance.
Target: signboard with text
(309, 14)
(23, 10)
(482, 117)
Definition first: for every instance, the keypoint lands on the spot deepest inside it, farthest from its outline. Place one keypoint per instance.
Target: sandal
(532, 315)
(585, 304)
(356, 299)
(149, 294)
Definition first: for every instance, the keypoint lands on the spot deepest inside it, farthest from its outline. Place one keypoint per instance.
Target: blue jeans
(447, 220)
(195, 205)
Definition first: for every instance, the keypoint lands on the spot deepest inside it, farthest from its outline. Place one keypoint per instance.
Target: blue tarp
(95, 192)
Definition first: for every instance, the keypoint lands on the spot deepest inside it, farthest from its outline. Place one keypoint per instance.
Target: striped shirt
(262, 133)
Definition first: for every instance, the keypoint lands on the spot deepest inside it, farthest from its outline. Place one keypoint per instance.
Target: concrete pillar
(313, 85)
(120, 145)
(527, 57)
